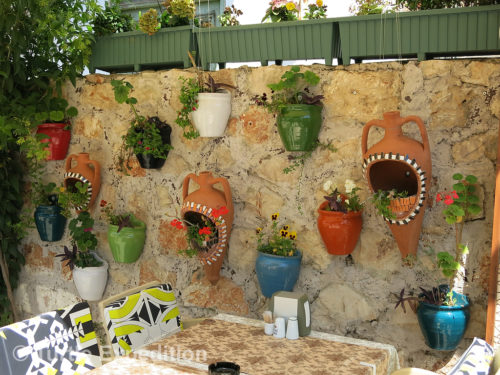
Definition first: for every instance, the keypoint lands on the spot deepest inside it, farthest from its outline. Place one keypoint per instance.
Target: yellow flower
(459, 219)
(290, 6)
(284, 233)
(292, 235)
(290, 253)
(275, 216)
(275, 250)
(61, 189)
(286, 227)
(258, 230)
(319, 3)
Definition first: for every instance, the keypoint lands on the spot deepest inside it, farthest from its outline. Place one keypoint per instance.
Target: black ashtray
(224, 368)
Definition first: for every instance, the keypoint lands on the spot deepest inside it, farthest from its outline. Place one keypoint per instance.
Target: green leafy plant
(381, 199)
(291, 89)
(229, 16)
(149, 22)
(316, 11)
(201, 231)
(83, 240)
(366, 7)
(111, 20)
(280, 11)
(144, 135)
(57, 110)
(178, 13)
(348, 202)
(44, 194)
(121, 220)
(73, 198)
(460, 204)
(438, 4)
(188, 98)
(440, 296)
(277, 240)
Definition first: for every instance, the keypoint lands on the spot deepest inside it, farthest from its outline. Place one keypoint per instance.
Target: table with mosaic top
(242, 340)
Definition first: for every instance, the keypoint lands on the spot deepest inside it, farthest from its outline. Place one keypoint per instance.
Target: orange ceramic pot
(339, 231)
(204, 201)
(85, 171)
(401, 163)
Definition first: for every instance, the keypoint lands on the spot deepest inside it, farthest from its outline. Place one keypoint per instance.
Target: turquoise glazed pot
(50, 223)
(127, 244)
(299, 125)
(444, 326)
(277, 273)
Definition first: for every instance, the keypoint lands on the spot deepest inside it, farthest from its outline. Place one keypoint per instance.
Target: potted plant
(49, 220)
(55, 129)
(443, 312)
(340, 218)
(316, 11)
(147, 138)
(206, 107)
(299, 112)
(90, 272)
(278, 260)
(126, 234)
(392, 204)
(281, 11)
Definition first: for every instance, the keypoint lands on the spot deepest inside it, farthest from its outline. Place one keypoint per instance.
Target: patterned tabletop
(241, 340)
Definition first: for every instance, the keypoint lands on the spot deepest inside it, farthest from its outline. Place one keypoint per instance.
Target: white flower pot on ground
(214, 109)
(91, 281)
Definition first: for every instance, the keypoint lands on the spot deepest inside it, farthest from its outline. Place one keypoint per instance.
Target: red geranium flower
(439, 198)
(205, 230)
(103, 203)
(448, 199)
(139, 142)
(147, 148)
(454, 194)
(87, 230)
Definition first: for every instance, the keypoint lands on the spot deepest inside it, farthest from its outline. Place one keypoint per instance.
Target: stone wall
(459, 101)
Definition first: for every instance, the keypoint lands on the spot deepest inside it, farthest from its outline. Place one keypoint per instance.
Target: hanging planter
(85, 171)
(400, 164)
(444, 327)
(58, 141)
(299, 126)
(50, 223)
(340, 231)
(91, 281)
(212, 114)
(126, 243)
(277, 273)
(209, 205)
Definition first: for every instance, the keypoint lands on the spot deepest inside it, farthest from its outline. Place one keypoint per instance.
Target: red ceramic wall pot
(58, 141)
(339, 231)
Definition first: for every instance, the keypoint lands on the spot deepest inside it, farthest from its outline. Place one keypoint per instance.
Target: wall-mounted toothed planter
(400, 163)
(203, 202)
(85, 171)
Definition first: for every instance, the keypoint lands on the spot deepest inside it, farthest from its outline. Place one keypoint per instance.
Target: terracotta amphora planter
(202, 202)
(58, 141)
(401, 163)
(339, 231)
(85, 171)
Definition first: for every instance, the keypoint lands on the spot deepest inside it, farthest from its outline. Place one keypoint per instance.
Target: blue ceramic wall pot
(49, 223)
(444, 326)
(277, 272)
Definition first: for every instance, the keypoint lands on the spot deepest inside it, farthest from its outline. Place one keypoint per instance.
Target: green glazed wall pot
(127, 244)
(299, 125)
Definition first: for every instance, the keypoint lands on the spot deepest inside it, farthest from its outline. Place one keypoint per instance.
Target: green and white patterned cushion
(475, 361)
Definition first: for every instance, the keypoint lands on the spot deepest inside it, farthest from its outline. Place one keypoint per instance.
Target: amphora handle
(97, 169)
(67, 164)
(421, 127)
(366, 129)
(185, 185)
(227, 191)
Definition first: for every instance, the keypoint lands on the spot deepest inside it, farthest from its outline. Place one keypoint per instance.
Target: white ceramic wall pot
(91, 281)
(214, 109)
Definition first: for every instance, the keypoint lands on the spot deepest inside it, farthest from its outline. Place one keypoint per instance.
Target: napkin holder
(287, 304)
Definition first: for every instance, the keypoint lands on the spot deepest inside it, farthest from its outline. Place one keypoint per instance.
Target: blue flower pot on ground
(49, 223)
(444, 326)
(277, 273)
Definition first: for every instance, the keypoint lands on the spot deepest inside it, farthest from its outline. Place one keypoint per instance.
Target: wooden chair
(139, 316)
(62, 341)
